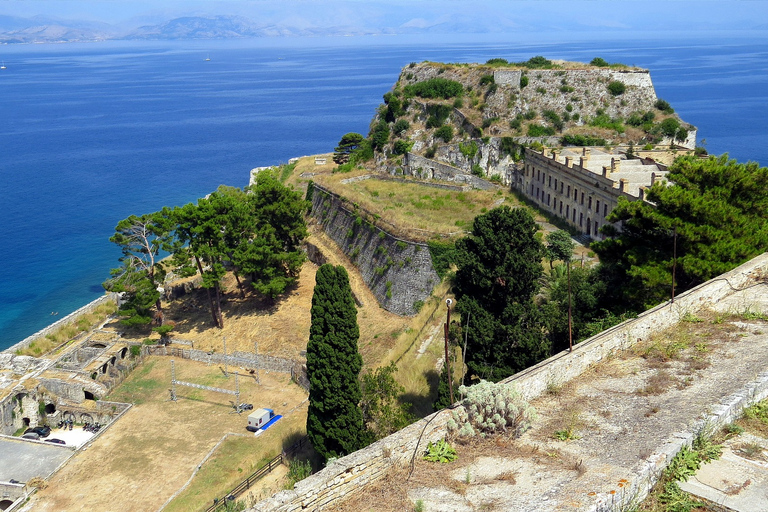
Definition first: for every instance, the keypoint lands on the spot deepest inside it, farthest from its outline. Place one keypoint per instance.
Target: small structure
(259, 418)
(320, 160)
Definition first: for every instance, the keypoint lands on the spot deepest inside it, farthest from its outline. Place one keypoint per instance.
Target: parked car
(42, 431)
(55, 441)
(31, 435)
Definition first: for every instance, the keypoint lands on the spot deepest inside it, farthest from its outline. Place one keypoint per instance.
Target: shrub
(468, 149)
(566, 89)
(616, 88)
(523, 81)
(516, 124)
(497, 62)
(486, 80)
(401, 126)
(554, 119)
(434, 88)
(458, 103)
(478, 171)
(581, 140)
(445, 133)
(380, 135)
(664, 106)
(537, 130)
(599, 62)
(430, 152)
(605, 121)
(530, 115)
(417, 305)
(489, 408)
(669, 127)
(402, 146)
(298, 470)
(135, 350)
(489, 121)
(537, 62)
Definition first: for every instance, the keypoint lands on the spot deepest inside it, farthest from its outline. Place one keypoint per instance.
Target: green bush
(400, 127)
(537, 62)
(616, 88)
(445, 133)
(554, 119)
(402, 146)
(439, 112)
(530, 115)
(565, 89)
(537, 130)
(489, 121)
(599, 62)
(664, 106)
(669, 126)
(468, 149)
(434, 88)
(523, 81)
(458, 103)
(486, 80)
(497, 62)
(441, 451)
(380, 135)
(581, 140)
(605, 121)
(430, 152)
(478, 171)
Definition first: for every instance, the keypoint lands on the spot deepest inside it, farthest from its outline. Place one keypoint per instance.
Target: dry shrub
(657, 384)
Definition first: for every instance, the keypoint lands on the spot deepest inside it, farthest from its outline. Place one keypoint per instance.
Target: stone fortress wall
(398, 272)
(349, 474)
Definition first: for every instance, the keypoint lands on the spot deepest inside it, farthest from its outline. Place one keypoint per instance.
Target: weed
(691, 318)
(297, 470)
(440, 451)
(419, 507)
(748, 314)
(657, 383)
(732, 429)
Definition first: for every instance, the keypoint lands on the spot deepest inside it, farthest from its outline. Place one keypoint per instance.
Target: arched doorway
(5, 504)
(88, 395)
(50, 408)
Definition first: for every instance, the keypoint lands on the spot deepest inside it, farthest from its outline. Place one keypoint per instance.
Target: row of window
(542, 177)
(540, 197)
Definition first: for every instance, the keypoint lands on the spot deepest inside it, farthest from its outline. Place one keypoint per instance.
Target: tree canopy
(257, 231)
(334, 421)
(717, 207)
(348, 144)
(499, 266)
(142, 240)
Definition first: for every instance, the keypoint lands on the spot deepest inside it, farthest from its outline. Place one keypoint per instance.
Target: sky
(585, 16)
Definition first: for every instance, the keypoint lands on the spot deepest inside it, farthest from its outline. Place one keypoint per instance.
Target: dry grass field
(151, 452)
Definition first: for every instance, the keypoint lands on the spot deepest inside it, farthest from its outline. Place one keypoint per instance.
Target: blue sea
(92, 133)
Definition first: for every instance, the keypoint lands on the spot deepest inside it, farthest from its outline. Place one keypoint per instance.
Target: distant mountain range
(48, 30)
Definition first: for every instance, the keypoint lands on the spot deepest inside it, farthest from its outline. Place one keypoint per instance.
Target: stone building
(582, 185)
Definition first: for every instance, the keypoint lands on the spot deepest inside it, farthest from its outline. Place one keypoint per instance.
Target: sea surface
(92, 133)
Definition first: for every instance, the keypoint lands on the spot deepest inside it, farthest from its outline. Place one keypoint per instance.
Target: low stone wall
(399, 272)
(424, 168)
(241, 359)
(350, 473)
(61, 322)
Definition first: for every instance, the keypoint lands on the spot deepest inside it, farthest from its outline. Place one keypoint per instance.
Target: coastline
(58, 323)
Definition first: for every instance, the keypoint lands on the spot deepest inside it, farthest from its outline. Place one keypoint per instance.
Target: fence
(243, 359)
(221, 503)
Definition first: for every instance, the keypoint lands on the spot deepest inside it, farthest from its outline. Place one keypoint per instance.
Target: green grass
(138, 388)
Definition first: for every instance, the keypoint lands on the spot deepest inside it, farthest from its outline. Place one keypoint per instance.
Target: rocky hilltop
(475, 117)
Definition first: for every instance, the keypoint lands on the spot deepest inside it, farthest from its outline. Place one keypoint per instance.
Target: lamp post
(570, 324)
(674, 260)
(448, 303)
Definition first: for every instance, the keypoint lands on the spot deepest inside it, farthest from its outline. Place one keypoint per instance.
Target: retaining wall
(398, 272)
(61, 322)
(350, 473)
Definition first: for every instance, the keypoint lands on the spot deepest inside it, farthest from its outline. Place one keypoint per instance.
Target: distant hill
(46, 30)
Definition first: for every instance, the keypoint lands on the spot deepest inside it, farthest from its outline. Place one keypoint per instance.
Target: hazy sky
(473, 16)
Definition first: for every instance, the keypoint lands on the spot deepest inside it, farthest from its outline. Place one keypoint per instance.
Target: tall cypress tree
(334, 420)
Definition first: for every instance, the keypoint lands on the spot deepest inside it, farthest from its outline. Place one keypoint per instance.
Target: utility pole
(570, 323)
(448, 303)
(256, 350)
(674, 260)
(226, 372)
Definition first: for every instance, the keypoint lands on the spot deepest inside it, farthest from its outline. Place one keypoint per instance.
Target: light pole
(448, 303)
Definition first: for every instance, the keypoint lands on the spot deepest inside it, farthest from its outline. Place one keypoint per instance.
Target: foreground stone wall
(348, 474)
(398, 272)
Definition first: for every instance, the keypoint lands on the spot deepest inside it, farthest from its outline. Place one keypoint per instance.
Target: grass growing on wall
(419, 212)
(81, 323)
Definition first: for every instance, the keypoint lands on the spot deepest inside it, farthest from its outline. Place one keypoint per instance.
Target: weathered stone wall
(241, 359)
(111, 297)
(350, 473)
(427, 169)
(508, 77)
(398, 272)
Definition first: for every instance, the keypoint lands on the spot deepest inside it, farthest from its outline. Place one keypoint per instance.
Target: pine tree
(334, 420)
(499, 271)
